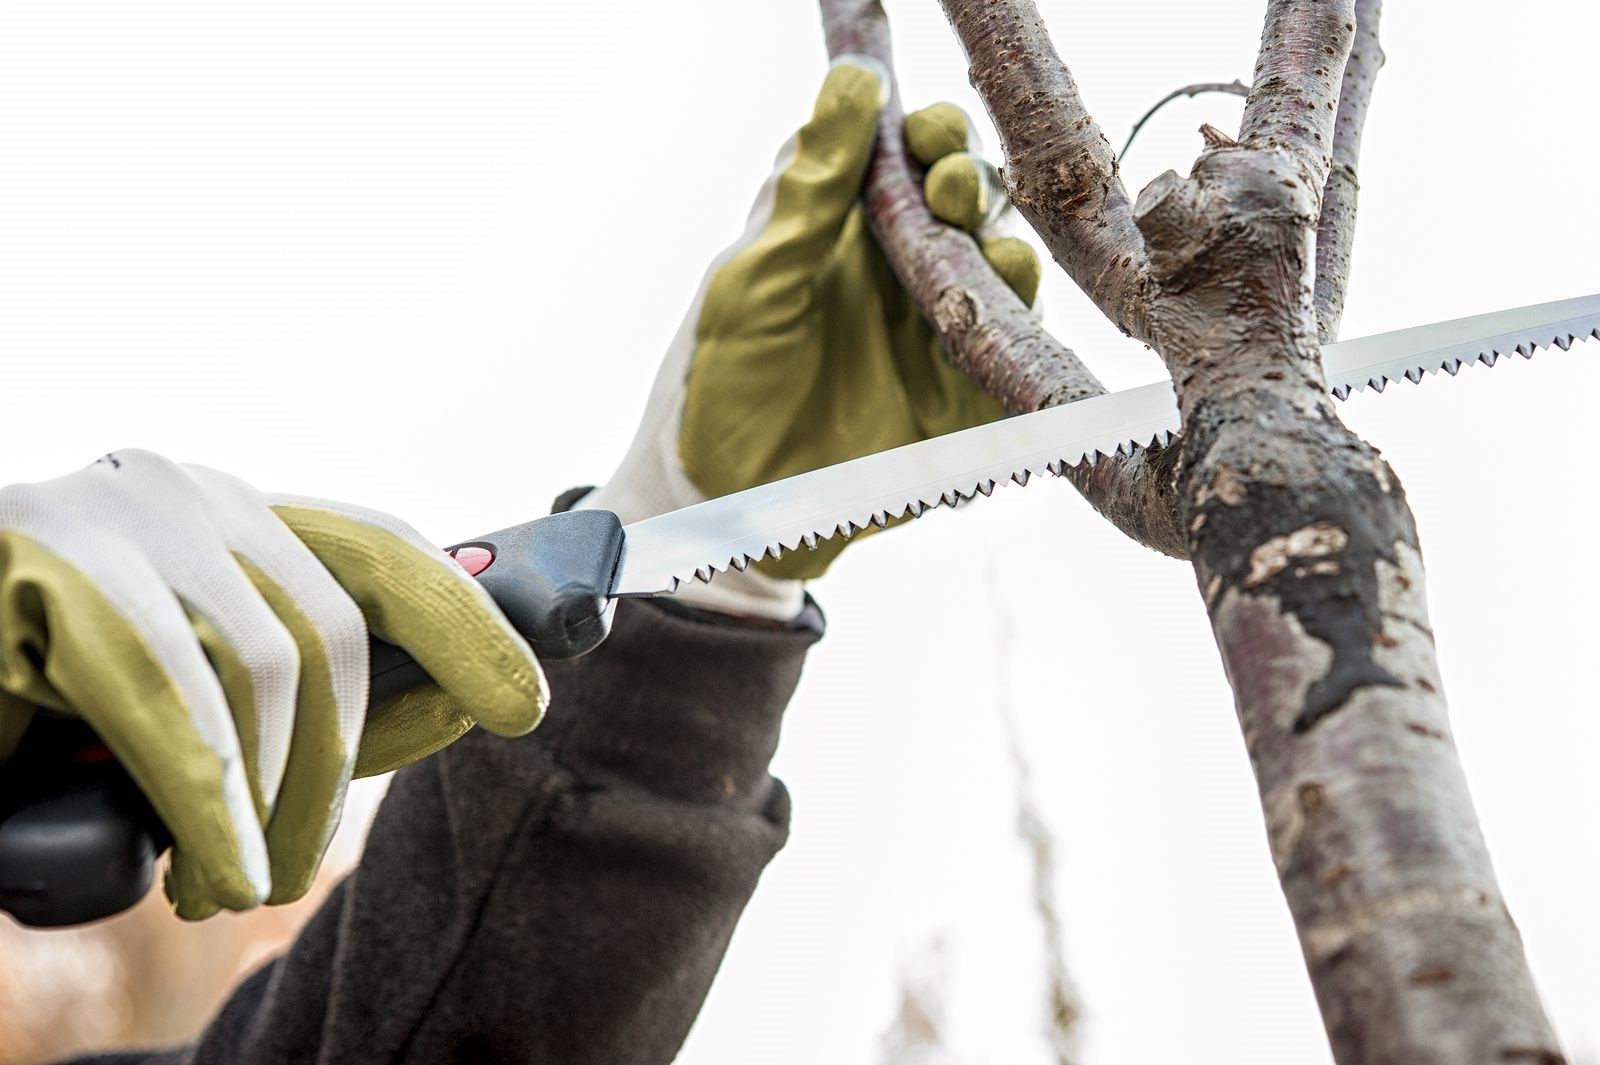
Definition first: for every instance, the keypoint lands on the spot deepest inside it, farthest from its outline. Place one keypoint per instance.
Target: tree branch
(1336, 230)
(1306, 556)
(1296, 90)
(989, 333)
(1059, 168)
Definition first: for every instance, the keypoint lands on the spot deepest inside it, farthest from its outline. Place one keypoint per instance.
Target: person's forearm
(624, 891)
(565, 897)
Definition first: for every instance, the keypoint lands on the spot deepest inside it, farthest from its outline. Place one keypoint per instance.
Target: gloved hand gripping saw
(78, 839)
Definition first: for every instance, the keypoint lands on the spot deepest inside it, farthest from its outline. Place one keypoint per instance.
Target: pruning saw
(77, 841)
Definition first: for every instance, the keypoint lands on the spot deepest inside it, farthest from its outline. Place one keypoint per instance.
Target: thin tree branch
(989, 333)
(1296, 89)
(1306, 556)
(1059, 168)
(1336, 230)
(1235, 87)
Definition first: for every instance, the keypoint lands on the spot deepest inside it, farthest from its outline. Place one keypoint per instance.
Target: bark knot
(956, 311)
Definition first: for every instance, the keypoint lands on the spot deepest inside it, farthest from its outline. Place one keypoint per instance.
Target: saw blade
(1374, 361)
(732, 531)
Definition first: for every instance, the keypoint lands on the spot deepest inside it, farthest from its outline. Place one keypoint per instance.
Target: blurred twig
(1062, 1009)
(916, 1037)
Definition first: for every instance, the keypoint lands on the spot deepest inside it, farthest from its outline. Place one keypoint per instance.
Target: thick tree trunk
(1304, 548)
(1307, 557)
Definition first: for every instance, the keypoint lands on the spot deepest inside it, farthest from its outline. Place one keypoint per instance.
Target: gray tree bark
(1336, 227)
(1305, 551)
(1307, 557)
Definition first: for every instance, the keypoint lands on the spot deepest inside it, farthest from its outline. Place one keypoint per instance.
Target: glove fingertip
(956, 191)
(936, 131)
(1017, 264)
(517, 705)
(856, 61)
(194, 896)
(410, 726)
(847, 107)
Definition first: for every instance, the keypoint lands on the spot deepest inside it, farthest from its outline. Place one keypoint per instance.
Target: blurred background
(426, 258)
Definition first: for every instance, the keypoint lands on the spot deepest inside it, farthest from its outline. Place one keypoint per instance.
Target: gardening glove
(801, 349)
(216, 640)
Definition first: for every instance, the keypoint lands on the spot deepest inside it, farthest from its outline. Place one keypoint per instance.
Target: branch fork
(1305, 551)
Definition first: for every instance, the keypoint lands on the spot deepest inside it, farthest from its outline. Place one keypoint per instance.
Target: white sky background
(426, 257)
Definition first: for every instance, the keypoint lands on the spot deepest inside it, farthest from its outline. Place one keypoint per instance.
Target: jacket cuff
(686, 706)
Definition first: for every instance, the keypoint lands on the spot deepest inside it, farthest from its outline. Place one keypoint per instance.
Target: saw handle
(551, 577)
(78, 841)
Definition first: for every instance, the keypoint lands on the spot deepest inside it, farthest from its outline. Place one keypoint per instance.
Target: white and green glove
(801, 349)
(216, 639)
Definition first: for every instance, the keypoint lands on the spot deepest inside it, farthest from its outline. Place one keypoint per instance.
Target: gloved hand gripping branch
(801, 349)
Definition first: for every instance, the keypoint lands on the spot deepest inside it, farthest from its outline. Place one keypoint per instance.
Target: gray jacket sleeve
(565, 897)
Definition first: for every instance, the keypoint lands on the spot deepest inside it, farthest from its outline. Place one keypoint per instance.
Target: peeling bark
(1304, 548)
(989, 333)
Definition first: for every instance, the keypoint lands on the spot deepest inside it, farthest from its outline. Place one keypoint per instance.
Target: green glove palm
(802, 349)
(808, 351)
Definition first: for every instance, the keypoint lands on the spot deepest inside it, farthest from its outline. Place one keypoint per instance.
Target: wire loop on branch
(1235, 87)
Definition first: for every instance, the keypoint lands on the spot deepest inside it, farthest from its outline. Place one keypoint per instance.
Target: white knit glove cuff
(650, 480)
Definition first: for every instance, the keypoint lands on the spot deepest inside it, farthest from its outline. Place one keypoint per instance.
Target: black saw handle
(78, 841)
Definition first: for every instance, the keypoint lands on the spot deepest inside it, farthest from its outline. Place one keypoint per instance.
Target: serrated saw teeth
(1562, 337)
(661, 553)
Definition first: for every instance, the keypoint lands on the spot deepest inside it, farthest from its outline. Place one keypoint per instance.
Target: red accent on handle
(473, 559)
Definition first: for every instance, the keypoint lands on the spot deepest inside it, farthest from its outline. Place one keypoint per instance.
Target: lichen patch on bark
(1271, 661)
(1311, 541)
(1225, 485)
(1310, 531)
